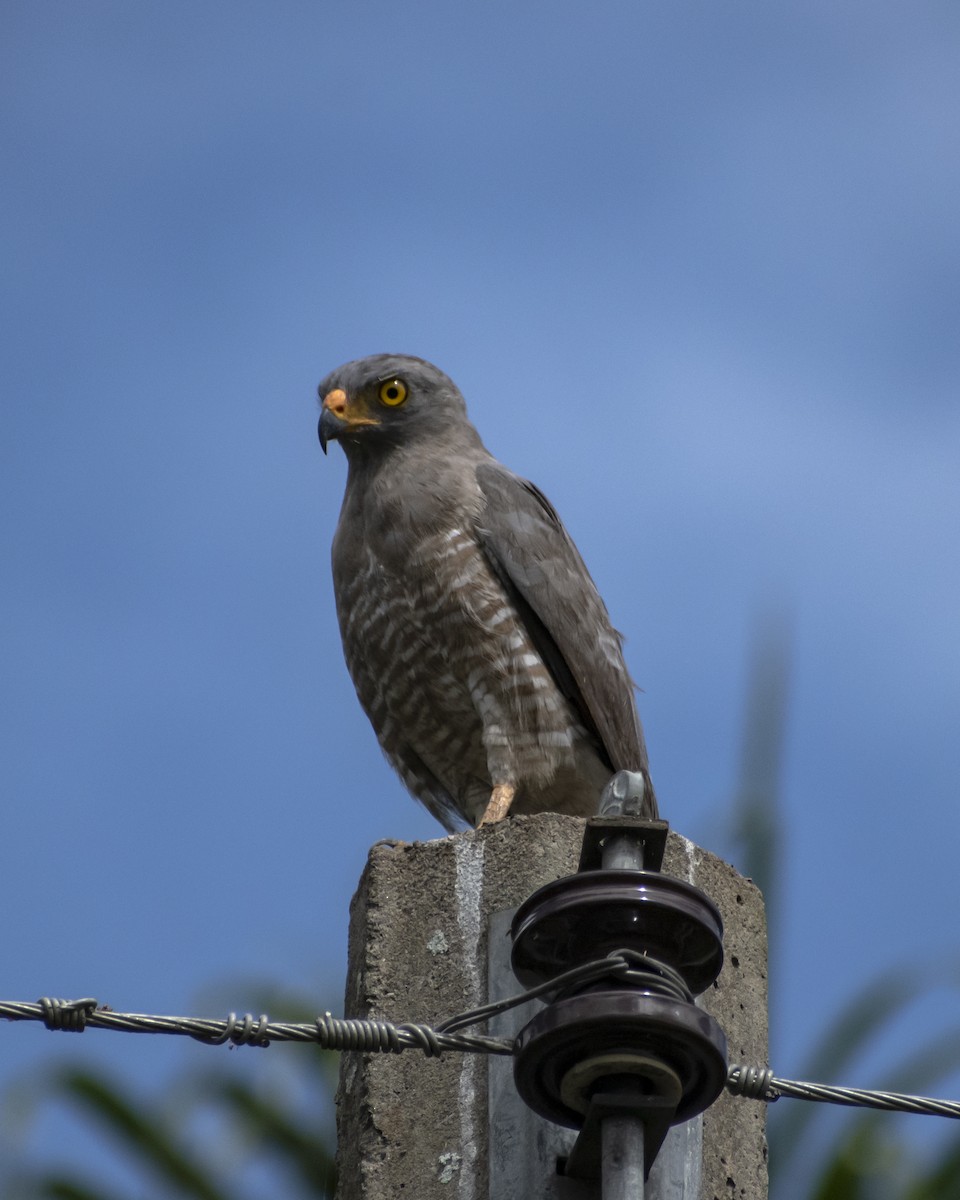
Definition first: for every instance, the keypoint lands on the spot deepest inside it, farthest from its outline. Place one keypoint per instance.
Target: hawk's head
(388, 400)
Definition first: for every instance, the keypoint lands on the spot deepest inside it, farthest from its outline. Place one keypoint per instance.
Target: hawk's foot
(499, 805)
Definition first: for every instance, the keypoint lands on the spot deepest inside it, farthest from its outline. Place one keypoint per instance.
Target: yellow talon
(500, 800)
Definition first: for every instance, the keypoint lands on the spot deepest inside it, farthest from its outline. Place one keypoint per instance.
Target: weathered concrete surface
(417, 1127)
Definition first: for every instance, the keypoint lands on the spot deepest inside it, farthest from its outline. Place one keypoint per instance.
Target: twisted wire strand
(376, 1036)
(760, 1083)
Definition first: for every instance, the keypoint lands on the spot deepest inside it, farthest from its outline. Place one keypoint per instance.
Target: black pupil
(393, 392)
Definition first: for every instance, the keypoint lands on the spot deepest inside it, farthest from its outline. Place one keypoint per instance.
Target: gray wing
(536, 560)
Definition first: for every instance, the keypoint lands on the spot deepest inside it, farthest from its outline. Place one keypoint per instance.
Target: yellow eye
(393, 392)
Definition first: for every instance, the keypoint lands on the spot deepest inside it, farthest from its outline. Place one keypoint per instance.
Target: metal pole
(622, 852)
(621, 1162)
(621, 1145)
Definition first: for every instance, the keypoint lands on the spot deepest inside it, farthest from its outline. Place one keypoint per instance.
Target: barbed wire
(329, 1032)
(377, 1036)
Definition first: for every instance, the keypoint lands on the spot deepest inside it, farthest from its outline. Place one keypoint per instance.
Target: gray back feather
(536, 560)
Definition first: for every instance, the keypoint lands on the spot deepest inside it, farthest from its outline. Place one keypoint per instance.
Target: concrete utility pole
(428, 939)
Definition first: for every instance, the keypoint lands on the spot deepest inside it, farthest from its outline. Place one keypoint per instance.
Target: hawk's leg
(500, 800)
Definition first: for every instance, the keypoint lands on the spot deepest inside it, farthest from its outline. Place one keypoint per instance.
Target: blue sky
(697, 271)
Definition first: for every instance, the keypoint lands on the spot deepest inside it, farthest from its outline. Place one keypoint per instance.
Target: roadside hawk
(476, 639)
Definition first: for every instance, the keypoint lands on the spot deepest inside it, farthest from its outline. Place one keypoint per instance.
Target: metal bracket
(586, 1157)
(649, 836)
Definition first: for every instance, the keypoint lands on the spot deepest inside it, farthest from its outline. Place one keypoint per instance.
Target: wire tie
(388, 1036)
(255, 1032)
(241, 1031)
(424, 1037)
(751, 1082)
(68, 1015)
(250, 1033)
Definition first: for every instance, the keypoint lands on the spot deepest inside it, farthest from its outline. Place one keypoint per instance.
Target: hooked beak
(328, 428)
(340, 416)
